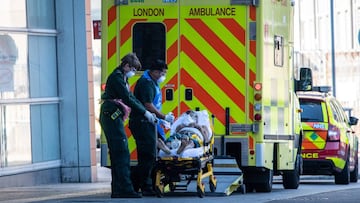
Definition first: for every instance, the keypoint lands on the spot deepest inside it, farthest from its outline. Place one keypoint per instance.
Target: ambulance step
(225, 165)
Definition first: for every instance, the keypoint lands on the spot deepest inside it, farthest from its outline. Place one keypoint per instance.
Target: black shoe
(148, 192)
(136, 187)
(126, 195)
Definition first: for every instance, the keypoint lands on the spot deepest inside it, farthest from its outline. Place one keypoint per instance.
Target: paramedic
(148, 91)
(116, 101)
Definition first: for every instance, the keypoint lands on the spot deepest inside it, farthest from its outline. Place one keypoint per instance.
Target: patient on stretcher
(191, 130)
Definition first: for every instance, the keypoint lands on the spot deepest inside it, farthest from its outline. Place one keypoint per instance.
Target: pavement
(64, 192)
(100, 192)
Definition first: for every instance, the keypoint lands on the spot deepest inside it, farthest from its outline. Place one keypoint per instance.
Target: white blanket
(202, 119)
(188, 153)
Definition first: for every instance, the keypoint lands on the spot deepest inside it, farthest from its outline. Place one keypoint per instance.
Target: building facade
(314, 47)
(47, 119)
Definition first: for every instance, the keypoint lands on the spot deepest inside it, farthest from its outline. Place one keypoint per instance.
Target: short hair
(9, 49)
(158, 65)
(132, 60)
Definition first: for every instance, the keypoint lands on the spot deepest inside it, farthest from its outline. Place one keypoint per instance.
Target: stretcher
(175, 170)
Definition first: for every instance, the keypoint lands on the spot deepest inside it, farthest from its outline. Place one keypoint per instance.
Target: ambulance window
(149, 42)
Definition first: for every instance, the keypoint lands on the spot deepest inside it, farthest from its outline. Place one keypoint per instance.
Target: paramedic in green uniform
(112, 116)
(148, 92)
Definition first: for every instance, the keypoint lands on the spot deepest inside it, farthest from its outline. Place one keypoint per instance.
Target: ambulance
(233, 58)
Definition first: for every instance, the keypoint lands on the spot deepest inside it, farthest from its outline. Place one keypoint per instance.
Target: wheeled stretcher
(178, 166)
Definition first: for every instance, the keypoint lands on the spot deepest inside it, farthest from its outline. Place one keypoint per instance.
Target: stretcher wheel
(212, 186)
(159, 193)
(172, 186)
(242, 189)
(200, 192)
(159, 185)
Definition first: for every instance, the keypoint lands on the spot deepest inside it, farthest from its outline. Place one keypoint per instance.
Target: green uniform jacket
(117, 88)
(145, 92)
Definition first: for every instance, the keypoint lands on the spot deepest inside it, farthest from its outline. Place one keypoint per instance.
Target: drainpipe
(332, 47)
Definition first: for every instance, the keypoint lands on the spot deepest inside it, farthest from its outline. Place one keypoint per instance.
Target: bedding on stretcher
(184, 126)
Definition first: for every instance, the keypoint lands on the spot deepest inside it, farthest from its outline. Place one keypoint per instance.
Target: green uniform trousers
(145, 137)
(119, 152)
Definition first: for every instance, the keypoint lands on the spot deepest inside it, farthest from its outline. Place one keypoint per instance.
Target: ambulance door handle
(188, 94)
(169, 94)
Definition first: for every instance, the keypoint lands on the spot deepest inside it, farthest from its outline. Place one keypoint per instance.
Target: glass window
(45, 132)
(15, 136)
(12, 13)
(41, 14)
(341, 112)
(335, 112)
(13, 66)
(29, 130)
(42, 66)
(312, 111)
(149, 42)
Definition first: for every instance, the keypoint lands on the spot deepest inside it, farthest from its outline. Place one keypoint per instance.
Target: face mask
(130, 74)
(161, 79)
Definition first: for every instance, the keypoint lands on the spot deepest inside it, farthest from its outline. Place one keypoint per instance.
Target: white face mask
(161, 79)
(130, 74)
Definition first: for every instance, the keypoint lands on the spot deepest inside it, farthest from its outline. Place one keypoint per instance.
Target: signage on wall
(97, 29)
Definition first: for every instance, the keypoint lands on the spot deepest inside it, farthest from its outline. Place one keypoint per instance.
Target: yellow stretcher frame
(201, 167)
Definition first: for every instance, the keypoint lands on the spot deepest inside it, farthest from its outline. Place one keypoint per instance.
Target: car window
(311, 111)
(335, 112)
(344, 117)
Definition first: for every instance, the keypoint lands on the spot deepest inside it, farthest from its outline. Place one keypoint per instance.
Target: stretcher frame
(170, 171)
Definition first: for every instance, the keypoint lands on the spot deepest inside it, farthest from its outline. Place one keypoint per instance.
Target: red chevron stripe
(111, 15)
(252, 78)
(184, 107)
(125, 33)
(308, 145)
(252, 13)
(218, 45)
(251, 142)
(228, 88)
(172, 52)
(133, 155)
(127, 130)
(201, 94)
(173, 82)
(234, 28)
(170, 23)
(111, 47)
(251, 112)
(253, 47)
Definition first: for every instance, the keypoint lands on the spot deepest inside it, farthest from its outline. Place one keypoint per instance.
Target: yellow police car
(329, 146)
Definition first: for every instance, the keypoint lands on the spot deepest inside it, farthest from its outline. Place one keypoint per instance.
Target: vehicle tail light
(333, 133)
(257, 117)
(257, 101)
(103, 87)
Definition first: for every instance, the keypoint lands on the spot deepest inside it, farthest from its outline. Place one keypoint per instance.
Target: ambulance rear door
(150, 29)
(216, 71)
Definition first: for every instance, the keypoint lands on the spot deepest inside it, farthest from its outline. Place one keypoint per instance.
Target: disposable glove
(169, 117)
(150, 117)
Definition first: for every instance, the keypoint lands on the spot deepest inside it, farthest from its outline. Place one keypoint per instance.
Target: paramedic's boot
(135, 179)
(126, 195)
(148, 191)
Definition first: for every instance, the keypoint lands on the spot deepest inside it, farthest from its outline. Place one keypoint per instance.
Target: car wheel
(343, 177)
(266, 185)
(291, 179)
(354, 175)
